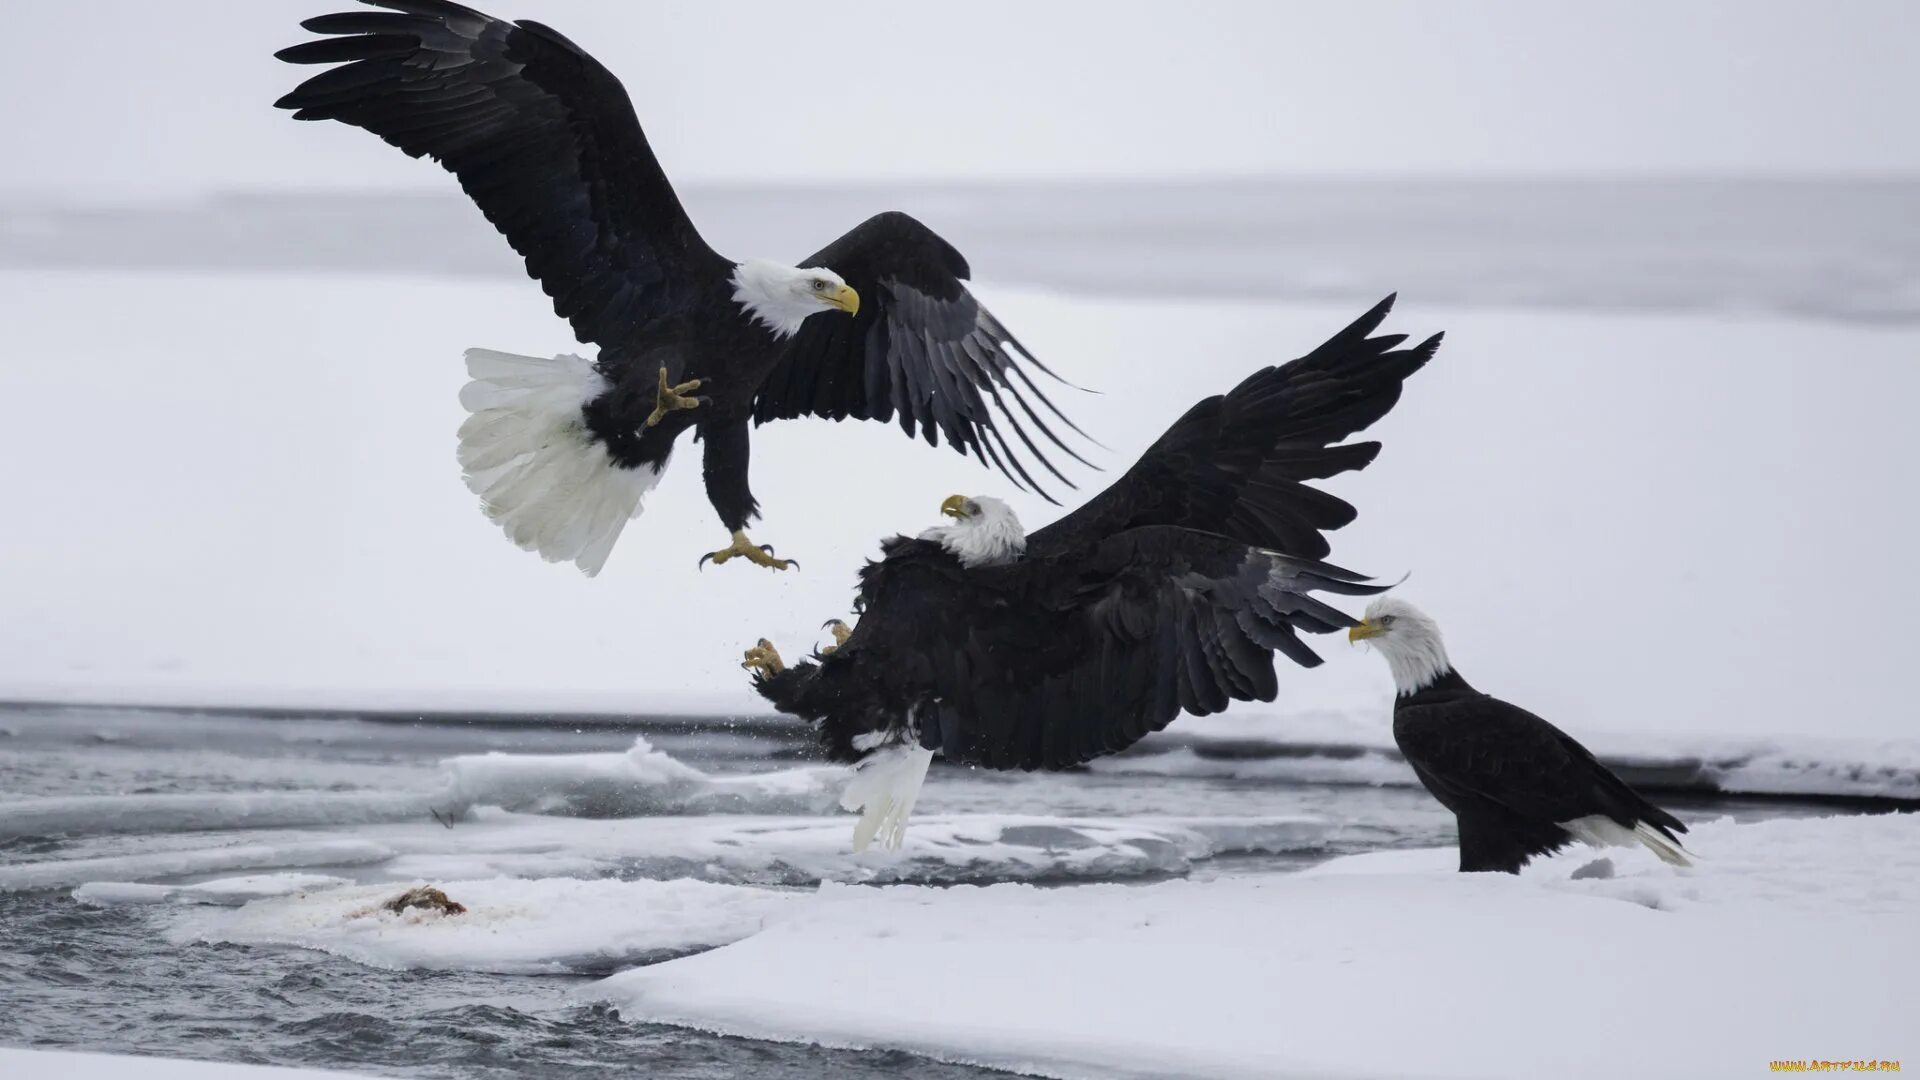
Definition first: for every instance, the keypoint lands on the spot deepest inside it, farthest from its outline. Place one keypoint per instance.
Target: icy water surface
(156, 798)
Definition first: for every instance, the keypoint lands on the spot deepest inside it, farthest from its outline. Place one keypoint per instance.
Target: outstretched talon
(841, 632)
(763, 660)
(673, 397)
(757, 554)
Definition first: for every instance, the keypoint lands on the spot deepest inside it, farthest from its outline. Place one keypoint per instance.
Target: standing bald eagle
(1170, 591)
(878, 323)
(1518, 786)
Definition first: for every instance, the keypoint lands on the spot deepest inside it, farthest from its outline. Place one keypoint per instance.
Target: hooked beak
(1364, 631)
(955, 506)
(843, 298)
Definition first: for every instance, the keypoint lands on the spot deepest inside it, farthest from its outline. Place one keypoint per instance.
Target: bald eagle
(1518, 786)
(1170, 591)
(878, 324)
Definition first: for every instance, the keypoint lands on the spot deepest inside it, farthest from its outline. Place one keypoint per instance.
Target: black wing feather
(541, 137)
(1236, 463)
(1036, 666)
(922, 349)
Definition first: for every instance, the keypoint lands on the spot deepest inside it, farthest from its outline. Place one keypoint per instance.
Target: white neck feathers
(769, 293)
(1416, 662)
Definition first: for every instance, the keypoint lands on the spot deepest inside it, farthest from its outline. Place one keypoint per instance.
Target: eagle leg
(673, 397)
(757, 554)
(764, 660)
(841, 632)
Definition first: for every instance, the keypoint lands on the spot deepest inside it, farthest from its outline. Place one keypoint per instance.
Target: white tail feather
(1670, 852)
(540, 475)
(1599, 830)
(885, 785)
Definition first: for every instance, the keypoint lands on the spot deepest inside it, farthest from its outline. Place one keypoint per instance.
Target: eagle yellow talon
(763, 660)
(841, 632)
(757, 554)
(673, 397)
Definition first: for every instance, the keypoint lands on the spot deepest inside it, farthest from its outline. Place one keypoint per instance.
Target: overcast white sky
(120, 97)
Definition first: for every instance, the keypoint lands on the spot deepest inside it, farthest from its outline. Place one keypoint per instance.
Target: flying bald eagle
(1518, 786)
(1170, 591)
(877, 324)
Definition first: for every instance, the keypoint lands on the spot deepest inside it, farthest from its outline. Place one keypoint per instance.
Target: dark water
(107, 979)
(91, 978)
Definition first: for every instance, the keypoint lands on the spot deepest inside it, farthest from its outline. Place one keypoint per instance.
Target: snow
(1789, 939)
(545, 926)
(229, 892)
(1626, 523)
(186, 812)
(733, 848)
(788, 851)
(1344, 749)
(19, 1064)
(64, 873)
(642, 780)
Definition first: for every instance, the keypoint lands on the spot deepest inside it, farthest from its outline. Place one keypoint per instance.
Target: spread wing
(1237, 463)
(1152, 623)
(540, 135)
(921, 349)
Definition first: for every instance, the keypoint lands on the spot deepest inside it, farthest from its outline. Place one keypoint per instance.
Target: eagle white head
(1408, 638)
(984, 531)
(781, 297)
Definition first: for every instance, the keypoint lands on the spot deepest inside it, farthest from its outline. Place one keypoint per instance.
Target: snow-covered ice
(1357, 748)
(226, 892)
(1790, 939)
(64, 873)
(641, 781)
(544, 926)
(135, 812)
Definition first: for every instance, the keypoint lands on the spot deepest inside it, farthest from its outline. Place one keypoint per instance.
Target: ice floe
(640, 781)
(789, 851)
(1801, 929)
(510, 926)
(224, 892)
(66, 873)
(194, 812)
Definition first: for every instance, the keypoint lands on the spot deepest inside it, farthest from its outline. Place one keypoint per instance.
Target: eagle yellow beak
(843, 298)
(1364, 631)
(955, 506)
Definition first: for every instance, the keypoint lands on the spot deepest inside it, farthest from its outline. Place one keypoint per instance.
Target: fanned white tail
(885, 785)
(540, 474)
(1600, 830)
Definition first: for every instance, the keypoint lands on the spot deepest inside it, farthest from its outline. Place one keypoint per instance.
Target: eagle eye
(819, 285)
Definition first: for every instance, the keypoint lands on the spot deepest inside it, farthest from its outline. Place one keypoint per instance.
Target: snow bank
(1371, 767)
(640, 781)
(66, 873)
(150, 813)
(539, 927)
(226, 892)
(67, 1065)
(1324, 747)
(785, 851)
(1790, 939)
(732, 849)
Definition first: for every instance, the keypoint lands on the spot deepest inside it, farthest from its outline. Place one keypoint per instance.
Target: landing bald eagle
(1169, 591)
(877, 324)
(1518, 786)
